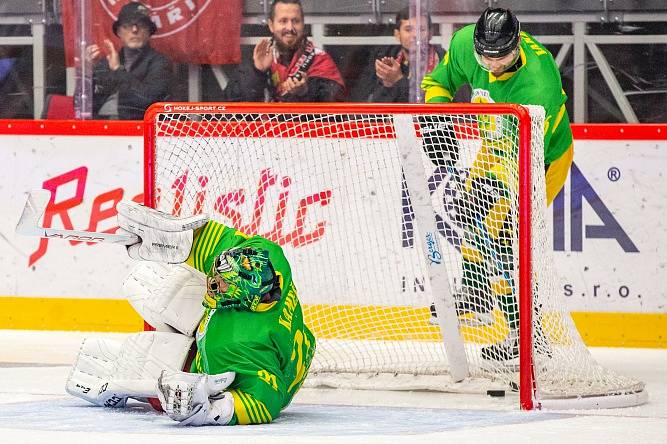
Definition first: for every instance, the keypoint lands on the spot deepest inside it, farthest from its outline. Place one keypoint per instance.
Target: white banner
(89, 175)
(610, 237)
(608, 227)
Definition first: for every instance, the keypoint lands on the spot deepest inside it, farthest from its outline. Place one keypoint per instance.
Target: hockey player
(501, 64)
(253, 350)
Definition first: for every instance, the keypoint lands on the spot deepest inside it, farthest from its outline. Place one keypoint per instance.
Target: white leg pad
(107, 372)
(168, 297)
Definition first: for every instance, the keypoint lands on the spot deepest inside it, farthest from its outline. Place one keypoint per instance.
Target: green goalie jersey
(535, 82)
(269, 349)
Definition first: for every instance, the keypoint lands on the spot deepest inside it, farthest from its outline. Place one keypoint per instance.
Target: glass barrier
(110, 59)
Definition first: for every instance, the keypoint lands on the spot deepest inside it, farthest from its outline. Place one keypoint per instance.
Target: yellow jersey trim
(508, 75)
(249, 410)
(437, 91)
(559, 117)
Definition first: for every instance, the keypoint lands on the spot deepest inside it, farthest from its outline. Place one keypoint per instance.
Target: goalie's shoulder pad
(150, 217)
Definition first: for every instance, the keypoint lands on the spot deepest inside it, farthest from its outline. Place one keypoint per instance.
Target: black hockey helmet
(496, 33)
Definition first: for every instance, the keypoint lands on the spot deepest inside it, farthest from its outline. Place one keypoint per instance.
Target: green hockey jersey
(535, 82)
(269, 349)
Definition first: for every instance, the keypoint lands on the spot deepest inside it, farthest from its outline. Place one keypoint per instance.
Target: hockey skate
(503, 351)
(509, 348)
(472, 310)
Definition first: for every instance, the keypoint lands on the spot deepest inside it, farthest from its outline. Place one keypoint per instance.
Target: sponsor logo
(83, 388)
(76, 237)
(171, 107)
(113, 401)
(68, 204)
(434, 255)
(166, 246)
(580, 190)
(291, 221)
(264, 210)
(606, 291)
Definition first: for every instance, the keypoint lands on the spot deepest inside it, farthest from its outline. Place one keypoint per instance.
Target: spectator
(126, 82)
(287, 67)
(386, 78)
(16, 84)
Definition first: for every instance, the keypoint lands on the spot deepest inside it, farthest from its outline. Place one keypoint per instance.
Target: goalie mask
(241, 277)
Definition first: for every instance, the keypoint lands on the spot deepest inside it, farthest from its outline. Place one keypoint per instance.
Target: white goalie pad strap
(107, 372)
(163, 237)
(168, 297)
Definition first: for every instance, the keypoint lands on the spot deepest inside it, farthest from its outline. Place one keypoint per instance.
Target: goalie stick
(33, 211)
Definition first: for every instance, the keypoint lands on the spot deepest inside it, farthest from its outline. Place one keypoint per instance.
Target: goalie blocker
(163, 237)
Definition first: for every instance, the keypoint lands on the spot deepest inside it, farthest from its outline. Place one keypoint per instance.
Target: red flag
(188, 31)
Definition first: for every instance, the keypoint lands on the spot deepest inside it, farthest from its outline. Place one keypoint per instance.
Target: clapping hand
(262, 55)
(93, 52)
(388, 70)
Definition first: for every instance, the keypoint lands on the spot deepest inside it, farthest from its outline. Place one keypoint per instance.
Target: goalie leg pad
(89, 379)
(168, 297)
(106, 373)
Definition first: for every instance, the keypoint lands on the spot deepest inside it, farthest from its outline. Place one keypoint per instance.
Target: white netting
(330, 189)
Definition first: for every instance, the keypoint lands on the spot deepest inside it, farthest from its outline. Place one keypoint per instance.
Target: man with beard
(287, 67)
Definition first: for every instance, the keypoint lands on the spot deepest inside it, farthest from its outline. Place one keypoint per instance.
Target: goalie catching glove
(163, 238)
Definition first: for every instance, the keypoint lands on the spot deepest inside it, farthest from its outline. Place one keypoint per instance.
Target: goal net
(388, 215)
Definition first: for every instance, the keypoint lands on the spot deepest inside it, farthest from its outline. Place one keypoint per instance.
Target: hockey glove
(196, 399)
(164, 238)
(439, 140)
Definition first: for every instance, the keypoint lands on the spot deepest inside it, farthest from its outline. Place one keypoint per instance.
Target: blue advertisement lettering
(448, 183)
(581, 189)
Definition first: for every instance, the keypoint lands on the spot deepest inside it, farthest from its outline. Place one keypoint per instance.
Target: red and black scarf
(308, 59)
(431, 62)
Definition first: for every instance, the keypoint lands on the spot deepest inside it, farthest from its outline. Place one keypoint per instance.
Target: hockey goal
(382, 211)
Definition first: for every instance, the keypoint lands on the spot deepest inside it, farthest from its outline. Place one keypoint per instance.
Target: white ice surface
(34, 408)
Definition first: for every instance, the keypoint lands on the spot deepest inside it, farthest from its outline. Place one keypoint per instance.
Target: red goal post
(242, 137)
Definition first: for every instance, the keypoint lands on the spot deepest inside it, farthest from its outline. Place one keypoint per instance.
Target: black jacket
(146, 82)
(370, 89)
